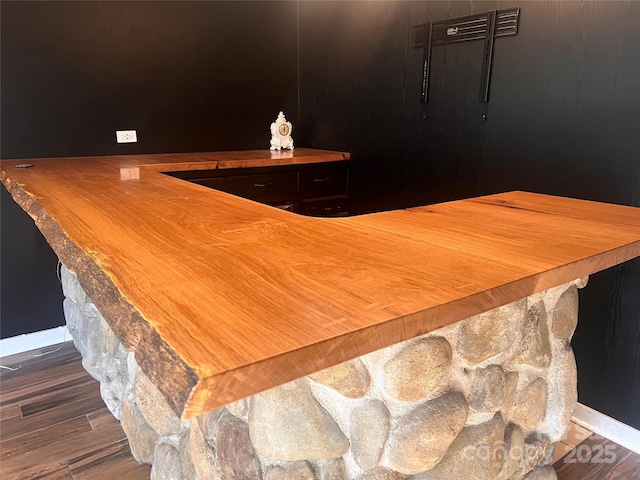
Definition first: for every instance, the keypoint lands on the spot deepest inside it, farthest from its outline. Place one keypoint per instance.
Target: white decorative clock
(281, 134)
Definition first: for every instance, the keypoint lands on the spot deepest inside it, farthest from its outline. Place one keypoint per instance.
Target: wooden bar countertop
(221, 297)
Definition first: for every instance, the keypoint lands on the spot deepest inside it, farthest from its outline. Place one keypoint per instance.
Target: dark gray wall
(562, 119)
(188, 76)
(30, 294)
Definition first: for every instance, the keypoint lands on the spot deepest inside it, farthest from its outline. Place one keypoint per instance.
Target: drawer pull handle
(321, 179)
(262, 184)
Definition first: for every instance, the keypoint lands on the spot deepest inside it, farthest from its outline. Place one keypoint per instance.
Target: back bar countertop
(221, 297)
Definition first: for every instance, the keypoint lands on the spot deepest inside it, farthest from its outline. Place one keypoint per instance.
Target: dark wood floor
(55, 426)
(598, 458)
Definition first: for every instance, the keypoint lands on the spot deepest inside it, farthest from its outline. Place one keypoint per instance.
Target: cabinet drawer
(217, 183)
(328, 206)
(284, 204)
(324, 180)
(259, 186)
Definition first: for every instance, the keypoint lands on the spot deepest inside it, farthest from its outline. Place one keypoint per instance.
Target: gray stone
(113, 344)
(562, 397)
(166, 463)
(142, 438)
(421, 437)
(513, 451)
(530, 405)
(71, 287)
(381, 474)
(369, 428)
(295, 431)
(287, 424)
(184, 455)
(581, 282)
(418, 369)
(290, 471)
(474, 454)
(89, 336)
(565, 314)
(350, 378)
(154, 407)
(113, 383)
(89, 309)
(333, 469)
(542, 473)
(237, 458)
(122, 354)
(203, 456)
(487, 389)
(535, 348)
(208, 423)
(510, 390)
(240, 408)
(96, 331)
(132, 365)
(74, 318)
(490, 333)
(537, 451)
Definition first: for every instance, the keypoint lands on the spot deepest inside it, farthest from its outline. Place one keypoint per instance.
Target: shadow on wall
(31, 296)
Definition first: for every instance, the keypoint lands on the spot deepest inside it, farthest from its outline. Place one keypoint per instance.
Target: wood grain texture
(241, 159)
(74, 437)
(598, 458)
(222, 298)
(31, 451)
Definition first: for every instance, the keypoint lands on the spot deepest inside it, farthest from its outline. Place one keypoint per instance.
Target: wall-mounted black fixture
(487, 26)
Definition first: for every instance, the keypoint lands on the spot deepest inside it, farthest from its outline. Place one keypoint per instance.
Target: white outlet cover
(126, 136)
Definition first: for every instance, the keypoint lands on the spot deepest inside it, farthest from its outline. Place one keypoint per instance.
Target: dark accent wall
(562, 119)
(30, 294)
(188, 76)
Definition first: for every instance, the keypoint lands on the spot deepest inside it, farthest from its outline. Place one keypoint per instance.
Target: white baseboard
(608, 427)
(31, 341)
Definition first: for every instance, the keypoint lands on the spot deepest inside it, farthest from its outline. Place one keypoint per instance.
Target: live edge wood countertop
(221, 297)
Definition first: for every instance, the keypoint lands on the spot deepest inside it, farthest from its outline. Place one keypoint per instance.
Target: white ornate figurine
(281, 134)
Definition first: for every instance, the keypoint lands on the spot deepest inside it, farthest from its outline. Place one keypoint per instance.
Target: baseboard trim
(31, 341)
(608, 427)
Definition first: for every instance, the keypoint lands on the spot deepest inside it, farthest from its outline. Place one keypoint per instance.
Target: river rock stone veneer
(482, 399)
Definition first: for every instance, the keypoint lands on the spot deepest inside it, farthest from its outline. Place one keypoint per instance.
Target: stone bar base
(485, 398)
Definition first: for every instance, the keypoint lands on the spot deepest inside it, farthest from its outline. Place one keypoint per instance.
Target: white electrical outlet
(126, 136)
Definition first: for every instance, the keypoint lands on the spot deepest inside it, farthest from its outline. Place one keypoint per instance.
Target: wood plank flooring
(55, 426)
(598, 458)
(574, 437)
